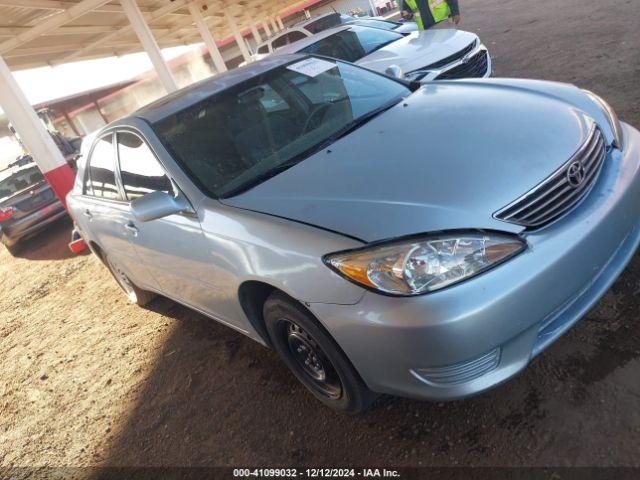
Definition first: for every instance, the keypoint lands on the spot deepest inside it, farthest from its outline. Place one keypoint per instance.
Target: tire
(134, 293)
(314, 357)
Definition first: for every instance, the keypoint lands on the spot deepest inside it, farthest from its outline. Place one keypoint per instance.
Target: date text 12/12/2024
(315, 473)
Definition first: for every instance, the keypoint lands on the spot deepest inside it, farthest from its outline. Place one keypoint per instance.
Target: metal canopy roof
(102, 29)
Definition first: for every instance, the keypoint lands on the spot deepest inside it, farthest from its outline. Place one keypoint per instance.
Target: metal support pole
(372, 6)
(280, 24)
(274, 27)
(233, 26)
(208, 39)
(71, 123)
(35, 137)
(99, 110)
(256, 35)
(265, 27)
(149, 43)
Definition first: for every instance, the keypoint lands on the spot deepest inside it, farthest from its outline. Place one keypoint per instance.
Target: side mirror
(158, 205)
(395, 71)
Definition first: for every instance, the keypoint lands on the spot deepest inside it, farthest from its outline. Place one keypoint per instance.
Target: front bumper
(473, 336)
(32, 223)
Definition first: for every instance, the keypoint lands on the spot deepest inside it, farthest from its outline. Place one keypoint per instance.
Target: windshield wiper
(342, 132)
(358, 122)
(263, 177)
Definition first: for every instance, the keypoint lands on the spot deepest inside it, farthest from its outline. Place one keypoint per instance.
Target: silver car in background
(320, 23)
(327, 211)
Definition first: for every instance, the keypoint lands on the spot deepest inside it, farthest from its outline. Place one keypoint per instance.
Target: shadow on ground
(218, 398)
(50, 244)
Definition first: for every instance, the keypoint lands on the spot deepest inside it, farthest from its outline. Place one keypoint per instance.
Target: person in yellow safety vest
(431, 13)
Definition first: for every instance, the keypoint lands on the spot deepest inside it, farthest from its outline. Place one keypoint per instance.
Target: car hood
(447, 157)
(418, 49)
(407, 27)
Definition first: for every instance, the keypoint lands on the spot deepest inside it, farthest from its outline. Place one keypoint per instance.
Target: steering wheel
(316, 110)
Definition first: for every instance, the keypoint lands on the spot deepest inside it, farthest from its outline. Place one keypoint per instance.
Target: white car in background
(312, 26)
(430, 55)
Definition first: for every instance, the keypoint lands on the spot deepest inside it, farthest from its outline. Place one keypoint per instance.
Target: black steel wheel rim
(310, 360)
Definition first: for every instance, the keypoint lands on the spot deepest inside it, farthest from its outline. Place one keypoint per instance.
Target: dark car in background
(27, 204)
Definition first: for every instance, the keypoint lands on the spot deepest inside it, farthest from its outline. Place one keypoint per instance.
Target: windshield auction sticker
(311, 67)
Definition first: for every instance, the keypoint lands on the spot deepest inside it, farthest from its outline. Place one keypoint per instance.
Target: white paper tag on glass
(312, 67)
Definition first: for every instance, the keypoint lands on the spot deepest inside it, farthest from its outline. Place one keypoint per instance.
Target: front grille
(451, 58)
(474, 67)
(562, 190)
(461, 372)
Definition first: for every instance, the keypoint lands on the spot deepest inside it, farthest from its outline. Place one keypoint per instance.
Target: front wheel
(136, 295)
(314, 357)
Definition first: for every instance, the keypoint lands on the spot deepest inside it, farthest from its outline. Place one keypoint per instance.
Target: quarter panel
(245, 245)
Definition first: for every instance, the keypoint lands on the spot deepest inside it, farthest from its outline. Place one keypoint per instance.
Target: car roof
(307, 21)
(185, 97)
(305, 42)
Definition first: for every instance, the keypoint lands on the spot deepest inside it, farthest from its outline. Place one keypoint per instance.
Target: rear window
(20, 180)
(352, 44)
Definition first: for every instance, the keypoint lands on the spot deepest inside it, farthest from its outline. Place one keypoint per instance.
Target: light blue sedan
(383, 236)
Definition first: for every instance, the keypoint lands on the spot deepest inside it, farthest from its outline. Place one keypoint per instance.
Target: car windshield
(250, 132)
(20, 180)
(352, 44)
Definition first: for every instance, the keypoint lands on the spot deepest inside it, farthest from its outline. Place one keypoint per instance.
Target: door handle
(132, 228)
(87, 213)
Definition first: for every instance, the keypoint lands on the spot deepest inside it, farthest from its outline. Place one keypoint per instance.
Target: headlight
(424, 264)
(618, 136)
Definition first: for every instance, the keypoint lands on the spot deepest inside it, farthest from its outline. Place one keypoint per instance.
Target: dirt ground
(88, 379)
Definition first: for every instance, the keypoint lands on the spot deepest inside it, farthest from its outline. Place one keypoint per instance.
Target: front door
(173, 248)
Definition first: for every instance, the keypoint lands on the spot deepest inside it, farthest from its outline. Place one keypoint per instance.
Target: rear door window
(140, 170)
(100, 180)
(295, 36)
(279, 42)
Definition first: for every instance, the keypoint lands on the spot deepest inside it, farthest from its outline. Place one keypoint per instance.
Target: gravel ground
(88, 379)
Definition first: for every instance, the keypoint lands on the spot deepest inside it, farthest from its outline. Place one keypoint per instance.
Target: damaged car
(327, 211)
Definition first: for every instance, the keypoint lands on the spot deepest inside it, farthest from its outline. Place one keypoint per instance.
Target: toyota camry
(329, 212)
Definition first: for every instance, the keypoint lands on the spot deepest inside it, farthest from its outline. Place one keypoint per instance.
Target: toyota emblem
(575, 174)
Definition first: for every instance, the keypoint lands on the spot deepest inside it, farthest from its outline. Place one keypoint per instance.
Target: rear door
(173, 248)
